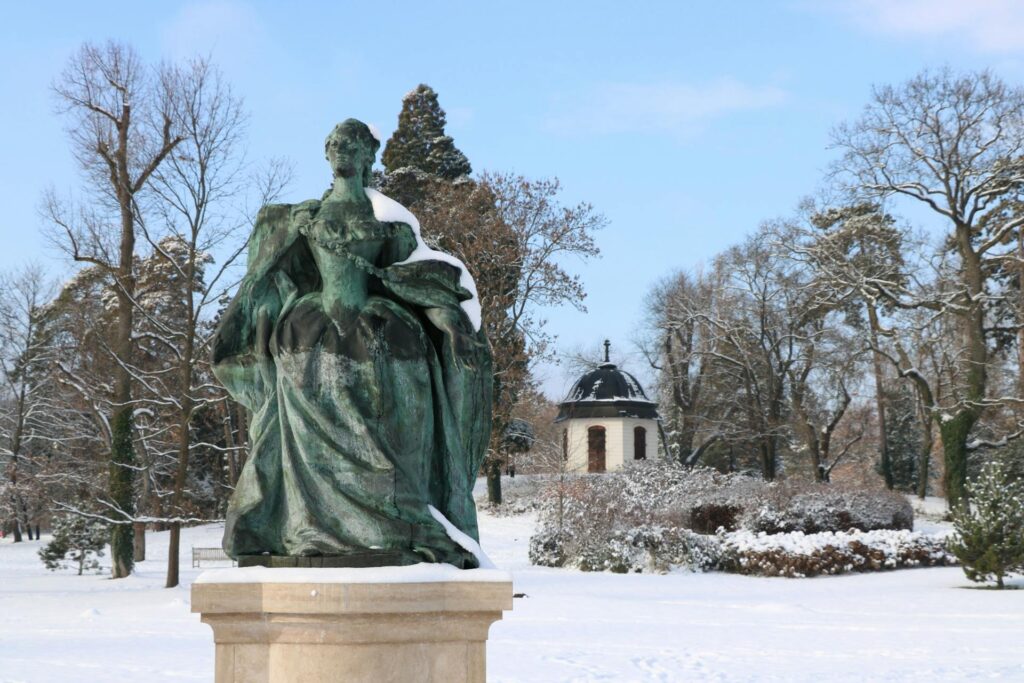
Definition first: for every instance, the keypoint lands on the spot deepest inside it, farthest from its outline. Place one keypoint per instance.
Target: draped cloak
(355, 427)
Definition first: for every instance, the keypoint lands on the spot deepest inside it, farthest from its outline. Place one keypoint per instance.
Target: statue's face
(348, 153)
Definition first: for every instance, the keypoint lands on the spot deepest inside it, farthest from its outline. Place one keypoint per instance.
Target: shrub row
(665, 494)
(793, 554)
(645, 549)
(797, 554)
(656, 516)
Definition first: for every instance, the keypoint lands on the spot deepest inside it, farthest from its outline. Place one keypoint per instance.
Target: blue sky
(685, 123)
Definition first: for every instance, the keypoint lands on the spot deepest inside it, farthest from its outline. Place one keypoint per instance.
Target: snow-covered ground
(910, 625)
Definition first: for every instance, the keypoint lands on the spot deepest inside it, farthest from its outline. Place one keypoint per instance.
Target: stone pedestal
(402, 624)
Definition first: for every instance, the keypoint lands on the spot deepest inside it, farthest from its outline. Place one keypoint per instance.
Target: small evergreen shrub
(77, 541)
(989, 537)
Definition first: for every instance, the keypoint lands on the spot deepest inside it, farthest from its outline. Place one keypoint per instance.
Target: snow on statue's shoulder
(387, 210)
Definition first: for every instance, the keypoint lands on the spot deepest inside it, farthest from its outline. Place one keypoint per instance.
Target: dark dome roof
(606, 382)
(607, 391)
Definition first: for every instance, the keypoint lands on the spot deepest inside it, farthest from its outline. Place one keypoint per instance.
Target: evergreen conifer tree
(989, 539)
(420, 142)
(903, 436)
(76, 541)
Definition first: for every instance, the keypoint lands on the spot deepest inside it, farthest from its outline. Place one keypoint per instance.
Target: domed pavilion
(607, 420)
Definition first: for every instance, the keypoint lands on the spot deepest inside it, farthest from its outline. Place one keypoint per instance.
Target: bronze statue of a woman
(368, 383)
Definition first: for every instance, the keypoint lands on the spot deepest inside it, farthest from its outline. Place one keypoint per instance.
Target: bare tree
(751, 353)
(121, 129)
(545, 235)
(862, 238)
(819, 392)
(677, 347)
(955, 145)
(198, 208)
(25, 410)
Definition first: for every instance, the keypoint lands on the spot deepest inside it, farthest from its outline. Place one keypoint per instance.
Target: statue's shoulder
(308, 205)
(271, 212)
(303, 210)
(276, 228)
(274, 217)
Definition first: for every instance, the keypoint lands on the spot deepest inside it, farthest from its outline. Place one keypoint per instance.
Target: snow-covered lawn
(910, 625)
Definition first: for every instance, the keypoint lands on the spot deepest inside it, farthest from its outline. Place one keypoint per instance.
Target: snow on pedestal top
(424, 572)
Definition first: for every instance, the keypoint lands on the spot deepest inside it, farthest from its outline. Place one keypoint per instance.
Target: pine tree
(903, 436)
(420, 142)
(76, 540)
(989, 539)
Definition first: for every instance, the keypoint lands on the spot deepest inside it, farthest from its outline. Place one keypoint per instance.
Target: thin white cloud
(985, 25)
(679, 109)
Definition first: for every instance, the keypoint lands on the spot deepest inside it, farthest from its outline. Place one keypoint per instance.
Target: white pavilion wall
(618, 441)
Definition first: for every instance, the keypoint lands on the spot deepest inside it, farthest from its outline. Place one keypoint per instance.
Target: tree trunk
(924, 457)
(122, 455)
(17, 530)
(768, 458)
(493, 470)
(121, 493)
(139, 541)
(184, 434)
(885, 460)
(1020, 312)
(174, 542)
(954, 432)
(173, 550)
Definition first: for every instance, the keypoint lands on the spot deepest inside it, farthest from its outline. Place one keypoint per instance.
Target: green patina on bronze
(367, 385)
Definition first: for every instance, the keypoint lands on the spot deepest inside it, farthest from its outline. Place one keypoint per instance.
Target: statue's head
(351, 149)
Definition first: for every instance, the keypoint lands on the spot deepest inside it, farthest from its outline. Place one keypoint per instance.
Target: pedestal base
(402, 624)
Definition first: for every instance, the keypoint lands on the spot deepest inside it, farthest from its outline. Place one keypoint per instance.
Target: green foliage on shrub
(989, 539)
(76, 541)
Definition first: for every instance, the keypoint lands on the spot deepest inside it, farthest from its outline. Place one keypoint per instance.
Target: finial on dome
(607, 345)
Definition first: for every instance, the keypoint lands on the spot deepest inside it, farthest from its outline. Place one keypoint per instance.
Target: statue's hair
(360, 130)
(357, 127)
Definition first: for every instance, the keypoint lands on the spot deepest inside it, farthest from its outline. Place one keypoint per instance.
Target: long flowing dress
(356, 426)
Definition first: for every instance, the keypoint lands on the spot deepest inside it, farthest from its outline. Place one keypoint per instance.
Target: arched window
(595, 449)
(565, 445)
(639, 443)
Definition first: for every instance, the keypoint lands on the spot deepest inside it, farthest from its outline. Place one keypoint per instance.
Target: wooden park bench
(200, 555)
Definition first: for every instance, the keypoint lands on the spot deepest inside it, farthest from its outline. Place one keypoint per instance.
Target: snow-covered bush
(989, 538)
(644, 549)
(797, 554)
(814, 508)
(654, 516)
(77, 541)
